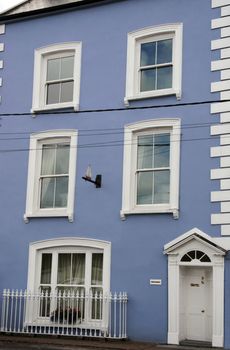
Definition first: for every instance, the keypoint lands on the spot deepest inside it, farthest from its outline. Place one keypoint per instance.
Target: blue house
(115, 169)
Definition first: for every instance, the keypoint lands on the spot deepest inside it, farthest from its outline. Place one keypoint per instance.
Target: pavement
(31, 342)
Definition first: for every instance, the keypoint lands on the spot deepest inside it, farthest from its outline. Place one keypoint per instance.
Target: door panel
(196, 303)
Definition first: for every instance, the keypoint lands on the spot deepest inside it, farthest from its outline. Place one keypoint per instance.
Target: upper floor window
(154, 62)
(57, 77)
(151, 167)
(51, 174)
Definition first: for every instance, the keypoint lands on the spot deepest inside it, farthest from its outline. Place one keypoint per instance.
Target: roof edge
(51, 10)
(13, 7)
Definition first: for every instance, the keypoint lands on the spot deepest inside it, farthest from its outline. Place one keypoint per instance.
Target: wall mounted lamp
(88, 177)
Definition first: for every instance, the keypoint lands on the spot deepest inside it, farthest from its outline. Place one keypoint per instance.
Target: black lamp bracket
(96, 182)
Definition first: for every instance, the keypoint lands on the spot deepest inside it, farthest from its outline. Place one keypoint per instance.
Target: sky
(5, 4)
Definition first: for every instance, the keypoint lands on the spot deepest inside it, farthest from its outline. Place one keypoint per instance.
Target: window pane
(78, 269)
(62, 159)
(67, 67)
(66, 91)
(148, 54)
(61, 192)
(46, 268)
(161, 150)
(145, 152)
(53, 69)
(97, 303)
(97, 269)
(144, 187)
(164, 51)
(47, 192)
(164, 77)
(64, 269)
(53, 93)
(77, 304)
(45, 302)
(148, 79)
(48, 159)
(161, 186)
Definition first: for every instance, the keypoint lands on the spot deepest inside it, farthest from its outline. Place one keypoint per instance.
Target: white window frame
(66, 245)
(34, 168)
(41, 57)
(131, 132)
(135, 39)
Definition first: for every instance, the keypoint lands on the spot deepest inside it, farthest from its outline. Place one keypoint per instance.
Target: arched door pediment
(196, 249)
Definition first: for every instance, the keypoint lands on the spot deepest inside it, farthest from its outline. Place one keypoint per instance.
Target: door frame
(195, 240)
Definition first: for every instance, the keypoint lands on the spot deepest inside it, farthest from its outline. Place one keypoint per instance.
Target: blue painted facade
(138, 242)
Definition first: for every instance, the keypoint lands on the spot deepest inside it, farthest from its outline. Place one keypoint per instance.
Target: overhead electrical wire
(107, 131)
(101, 110)
(114, 143)
(88, 132)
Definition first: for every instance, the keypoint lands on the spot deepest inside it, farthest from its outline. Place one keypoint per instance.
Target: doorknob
(202, 311)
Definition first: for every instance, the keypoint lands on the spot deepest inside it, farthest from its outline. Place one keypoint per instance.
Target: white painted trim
(32, 201)
(225, 162)
(225, 74)
(220, 129)
(40, 58)
(128, 191)
(223, 130)
(220, 22)
(225, 139)
(225, 11)
(225, 207)
(70, 242)
(225, 32)
(225, 95)
(174, 31)
(220, 85)
(225, 231)
(220, 219)
(225, 117)
(216, 174)
(225, 53)
(219, 196)
(2, 47)
(2, 29)
(225, 184)
(220, 151)
(219, 3)
(220, 64)
(223, 241)
(186, 237)
(217, 262)
(220, 107)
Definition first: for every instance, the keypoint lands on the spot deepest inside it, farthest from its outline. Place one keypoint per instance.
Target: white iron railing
(65, 313)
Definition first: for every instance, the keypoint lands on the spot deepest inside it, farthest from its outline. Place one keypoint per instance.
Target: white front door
(196, 303)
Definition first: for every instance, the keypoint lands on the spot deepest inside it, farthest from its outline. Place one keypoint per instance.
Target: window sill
(150, 210)
(52, 107)
(48, 213)
(152, 94)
